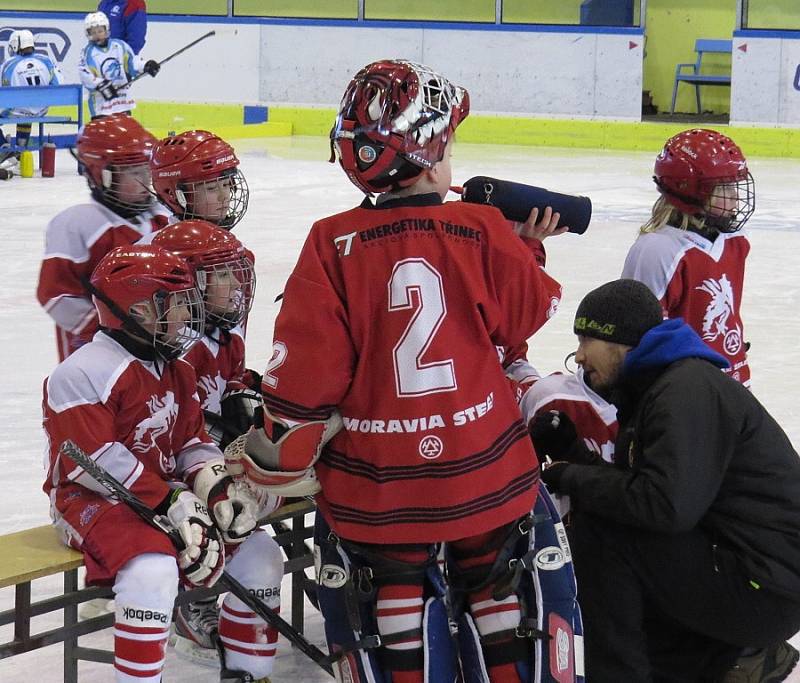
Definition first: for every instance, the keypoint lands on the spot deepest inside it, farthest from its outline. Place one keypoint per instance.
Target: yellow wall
(672, 28)
(775, 14)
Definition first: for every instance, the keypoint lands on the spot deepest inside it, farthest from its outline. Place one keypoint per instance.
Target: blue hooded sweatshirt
(667, 342)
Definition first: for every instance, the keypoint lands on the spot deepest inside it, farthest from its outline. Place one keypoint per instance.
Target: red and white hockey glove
(280, 458)
(232, 505)
(202, 560)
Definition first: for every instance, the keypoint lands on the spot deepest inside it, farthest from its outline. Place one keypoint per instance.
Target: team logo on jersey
(163, 413)
(431, 447)
(111, 69)
(718, 312)
(211, 389)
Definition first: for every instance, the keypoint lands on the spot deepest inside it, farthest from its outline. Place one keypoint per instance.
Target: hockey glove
(231, 504)
(107, 90)
(238, 407)
(202, 560)
(553, 474)
(151, 67)
(553, 434)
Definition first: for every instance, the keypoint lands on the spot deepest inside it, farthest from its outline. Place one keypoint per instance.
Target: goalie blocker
(279, 456)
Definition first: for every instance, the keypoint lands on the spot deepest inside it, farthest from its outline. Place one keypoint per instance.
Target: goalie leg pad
(551, 593)
(347, 598)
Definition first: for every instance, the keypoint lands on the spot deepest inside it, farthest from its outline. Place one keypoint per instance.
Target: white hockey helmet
(94, 19)
(19, 41)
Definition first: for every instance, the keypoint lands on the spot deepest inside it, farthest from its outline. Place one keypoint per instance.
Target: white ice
(290, 186)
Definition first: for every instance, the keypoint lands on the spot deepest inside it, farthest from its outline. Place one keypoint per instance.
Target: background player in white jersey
(24, 67)
(128, 401)
(114, 152)
(196, 174)
(106, 66)
(227, 281)
(691, 252)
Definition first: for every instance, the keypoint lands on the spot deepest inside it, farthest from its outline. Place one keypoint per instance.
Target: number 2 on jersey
(416, 284)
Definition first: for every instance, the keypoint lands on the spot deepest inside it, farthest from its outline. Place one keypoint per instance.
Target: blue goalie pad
(351, 627)
(559, 656)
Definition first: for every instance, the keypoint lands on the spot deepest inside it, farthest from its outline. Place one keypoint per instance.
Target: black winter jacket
(697, 449)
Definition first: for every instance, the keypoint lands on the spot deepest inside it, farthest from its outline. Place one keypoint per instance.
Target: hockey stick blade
(123, 495)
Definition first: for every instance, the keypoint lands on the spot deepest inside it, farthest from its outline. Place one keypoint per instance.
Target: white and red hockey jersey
(140, 420)
(410, 300)
(595, 418)
(700, 281)
(75, 241)
(219, 367)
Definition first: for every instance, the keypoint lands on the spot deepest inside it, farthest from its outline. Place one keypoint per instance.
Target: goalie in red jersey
(384, 394)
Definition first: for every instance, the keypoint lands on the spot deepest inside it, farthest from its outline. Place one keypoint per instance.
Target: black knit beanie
(620, 311)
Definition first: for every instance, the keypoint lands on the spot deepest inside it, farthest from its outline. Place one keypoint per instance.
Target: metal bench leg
(697, 95)
(70, 619)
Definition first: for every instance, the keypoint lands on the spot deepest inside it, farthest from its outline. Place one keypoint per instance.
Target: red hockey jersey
(76, 240)
(219, 367)
(595, 418)
(700, 281)
(140, 420)
(392, 316)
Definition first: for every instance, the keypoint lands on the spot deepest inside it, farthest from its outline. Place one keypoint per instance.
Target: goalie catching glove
(202, 559)
(231, 504)
(280, 457)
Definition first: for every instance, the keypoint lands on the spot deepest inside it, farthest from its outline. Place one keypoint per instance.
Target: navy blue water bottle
(516, 200)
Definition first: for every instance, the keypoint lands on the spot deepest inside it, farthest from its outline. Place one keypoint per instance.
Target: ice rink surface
(291, 185)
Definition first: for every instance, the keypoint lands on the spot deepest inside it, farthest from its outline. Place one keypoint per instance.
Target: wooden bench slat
(34, 553)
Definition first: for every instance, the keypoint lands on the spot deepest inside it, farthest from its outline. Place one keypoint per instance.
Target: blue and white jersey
(115, 63)
(30, 70)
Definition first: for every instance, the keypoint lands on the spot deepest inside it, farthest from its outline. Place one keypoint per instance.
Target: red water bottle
(48, 159)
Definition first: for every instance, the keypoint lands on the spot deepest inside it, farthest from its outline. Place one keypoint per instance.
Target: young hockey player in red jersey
(130, 403)
(385, 347)
(228, 283)
(114, 153)
(691, 253)
(196, 174)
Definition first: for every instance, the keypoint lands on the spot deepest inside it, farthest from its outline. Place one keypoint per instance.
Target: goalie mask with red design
(704, 173)
(394, 122)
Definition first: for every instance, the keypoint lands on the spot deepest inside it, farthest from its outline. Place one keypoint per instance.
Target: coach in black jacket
(687, 551)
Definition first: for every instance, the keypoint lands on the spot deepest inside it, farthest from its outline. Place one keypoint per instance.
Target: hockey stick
(226, 581)
(166, 59)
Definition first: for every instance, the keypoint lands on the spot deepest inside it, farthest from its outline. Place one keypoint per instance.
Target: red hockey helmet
(188, 166)
(114, 152)
(224, 272)
(150, 293)
(394, 121)
(704, 173)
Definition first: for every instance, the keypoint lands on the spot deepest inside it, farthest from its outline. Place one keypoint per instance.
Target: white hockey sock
(145, 590)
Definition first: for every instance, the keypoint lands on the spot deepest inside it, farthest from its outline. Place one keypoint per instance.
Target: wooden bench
(38, 97)
(702, 46)
(36, 553)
